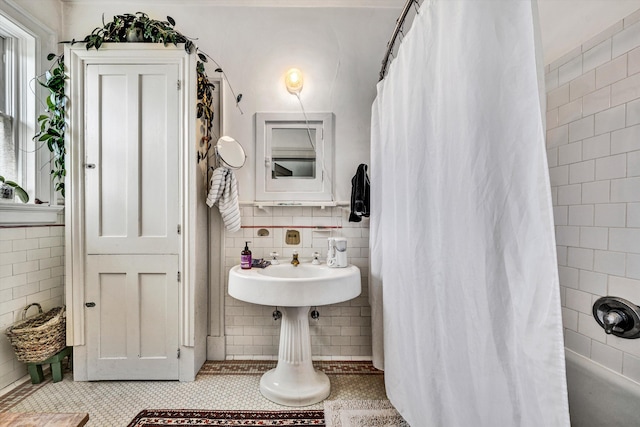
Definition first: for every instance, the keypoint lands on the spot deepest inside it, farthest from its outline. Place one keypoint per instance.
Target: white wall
(31, 270)
(31, 258)
(593, 141)
(339, 51)
(47, 12)
(569, 23)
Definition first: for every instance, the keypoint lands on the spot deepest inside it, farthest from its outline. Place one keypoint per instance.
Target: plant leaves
(239, 98)
(22, 194)
(171, 21)
(218, 70)
(202, 57)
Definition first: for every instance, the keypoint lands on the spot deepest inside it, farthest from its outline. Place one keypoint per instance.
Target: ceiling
(564, 24)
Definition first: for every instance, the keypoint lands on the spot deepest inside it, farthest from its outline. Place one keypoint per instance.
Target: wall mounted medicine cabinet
(294, 157)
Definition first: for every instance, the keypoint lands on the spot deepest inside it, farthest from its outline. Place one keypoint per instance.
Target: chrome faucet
(295, 261)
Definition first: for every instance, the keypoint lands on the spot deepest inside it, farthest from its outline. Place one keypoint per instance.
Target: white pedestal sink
(294, 290)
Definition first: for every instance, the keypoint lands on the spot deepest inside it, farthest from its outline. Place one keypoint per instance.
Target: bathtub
(600, 397)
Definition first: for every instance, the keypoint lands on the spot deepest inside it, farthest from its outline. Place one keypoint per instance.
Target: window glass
(8, 157)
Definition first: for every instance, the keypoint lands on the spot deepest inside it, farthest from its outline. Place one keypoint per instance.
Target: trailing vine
(124, 28)
(52, 123)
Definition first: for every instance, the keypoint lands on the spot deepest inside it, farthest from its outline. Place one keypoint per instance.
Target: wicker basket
(39, 337)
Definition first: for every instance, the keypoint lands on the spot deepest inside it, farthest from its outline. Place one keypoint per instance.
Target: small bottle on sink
(245, 257)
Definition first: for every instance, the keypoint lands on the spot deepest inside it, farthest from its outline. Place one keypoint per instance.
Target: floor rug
(176, 417)
(259, 367)
(362, 413)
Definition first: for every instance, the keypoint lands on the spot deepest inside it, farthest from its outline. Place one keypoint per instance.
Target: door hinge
(179, 84)
(179, 228)
(178, 276)
(178, 355)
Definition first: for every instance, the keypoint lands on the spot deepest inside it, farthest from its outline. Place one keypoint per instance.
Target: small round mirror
(230, 152)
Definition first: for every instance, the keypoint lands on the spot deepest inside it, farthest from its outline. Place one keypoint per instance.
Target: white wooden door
(132, 175)
(133, 323)
(132, 210)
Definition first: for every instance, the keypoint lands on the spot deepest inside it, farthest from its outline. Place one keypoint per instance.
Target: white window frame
(32, 41)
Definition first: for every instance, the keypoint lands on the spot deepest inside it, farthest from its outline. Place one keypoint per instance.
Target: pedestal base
(290, 388)
(294, 382)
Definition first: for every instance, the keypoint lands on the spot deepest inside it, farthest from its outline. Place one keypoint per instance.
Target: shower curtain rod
(396, 31)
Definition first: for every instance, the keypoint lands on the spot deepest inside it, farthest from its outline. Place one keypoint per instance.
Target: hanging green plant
(52, 123)
(124, 28)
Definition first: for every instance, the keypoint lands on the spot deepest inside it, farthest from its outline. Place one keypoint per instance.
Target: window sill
(17, 214)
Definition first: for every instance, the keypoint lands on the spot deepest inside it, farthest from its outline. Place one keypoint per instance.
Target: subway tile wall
(593, 146)
(31, 270)
(343, 331)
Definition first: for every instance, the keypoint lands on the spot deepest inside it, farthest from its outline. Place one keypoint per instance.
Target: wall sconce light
(293, 80)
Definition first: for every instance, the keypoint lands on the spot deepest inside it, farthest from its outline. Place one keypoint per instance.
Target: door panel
(132, 193)
(132, 214)
(133, 327)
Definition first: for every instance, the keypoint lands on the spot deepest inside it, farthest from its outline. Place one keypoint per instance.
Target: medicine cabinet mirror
(294, 157)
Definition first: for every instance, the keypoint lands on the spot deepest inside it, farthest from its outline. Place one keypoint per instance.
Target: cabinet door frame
(77, 57)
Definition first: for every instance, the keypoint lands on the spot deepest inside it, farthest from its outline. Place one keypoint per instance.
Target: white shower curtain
(463, 262)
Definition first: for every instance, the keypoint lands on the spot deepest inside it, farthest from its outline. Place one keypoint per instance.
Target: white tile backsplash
(610, 119)
(633, 61)
(625, 140)
(570, 153)
(594, 237)
(624, 240)
(609, 262)
(611, 167)
(31, 267)
(570, 70)
(606, 356)
(625, 90)
(596, 56)
(596, 101)
(625, 190)
(570, 112)
(581, 129)
(582, 172)
(581, 214)
(582, 85)
(626, 40)
(596, 147)
(610, 215)
(343, 329)
(611, 72)
(595, 183)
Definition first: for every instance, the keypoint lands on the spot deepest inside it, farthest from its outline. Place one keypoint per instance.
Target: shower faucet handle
(613, 319)
(617, 316)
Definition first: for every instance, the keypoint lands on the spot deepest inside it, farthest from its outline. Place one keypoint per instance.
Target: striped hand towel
(224, 193)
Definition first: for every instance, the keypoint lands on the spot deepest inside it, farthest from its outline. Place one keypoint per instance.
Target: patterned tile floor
(225, 385)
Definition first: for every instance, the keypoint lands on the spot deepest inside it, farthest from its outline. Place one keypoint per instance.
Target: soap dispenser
(245, 257)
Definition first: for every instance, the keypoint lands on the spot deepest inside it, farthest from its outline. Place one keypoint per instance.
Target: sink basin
(284, 285)
(294, 381)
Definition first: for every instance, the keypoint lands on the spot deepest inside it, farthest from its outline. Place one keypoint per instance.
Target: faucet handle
(612, 319)
(274, 258)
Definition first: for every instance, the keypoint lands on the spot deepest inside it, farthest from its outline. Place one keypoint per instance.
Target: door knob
(90, 304)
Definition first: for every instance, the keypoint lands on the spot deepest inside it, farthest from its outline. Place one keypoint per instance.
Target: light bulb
(293, 81)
